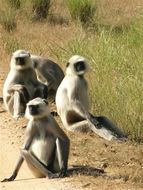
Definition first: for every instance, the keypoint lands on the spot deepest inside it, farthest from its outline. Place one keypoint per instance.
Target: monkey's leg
(81, 126)
(18, 99)
(86, 125)
(16, 170)
(76, 122)
(30, 159)
(16, 105)
(62, 147)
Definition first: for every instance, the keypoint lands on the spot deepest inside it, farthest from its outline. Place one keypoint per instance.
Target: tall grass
(40, 8)
(8, 19)
(81, 10)
(14, 3)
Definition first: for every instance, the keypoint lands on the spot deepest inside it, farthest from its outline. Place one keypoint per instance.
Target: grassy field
(112, 43)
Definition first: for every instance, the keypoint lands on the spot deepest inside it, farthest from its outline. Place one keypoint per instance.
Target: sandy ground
(122, 162)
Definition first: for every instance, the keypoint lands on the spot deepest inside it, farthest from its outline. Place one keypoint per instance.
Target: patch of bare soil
(121, 161)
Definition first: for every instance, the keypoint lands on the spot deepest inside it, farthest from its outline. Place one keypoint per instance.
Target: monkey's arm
(21, 159)
(16, 170)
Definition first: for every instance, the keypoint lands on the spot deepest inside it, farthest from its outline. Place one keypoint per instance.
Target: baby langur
(21, 84)
(46, 146)
(48, 72)
(73, 106)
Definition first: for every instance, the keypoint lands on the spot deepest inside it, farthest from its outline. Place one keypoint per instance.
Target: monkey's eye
(45, 101)
(33, 107)
(67, 64)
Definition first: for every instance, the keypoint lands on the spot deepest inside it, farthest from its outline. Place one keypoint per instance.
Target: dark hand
(9, 179)
(54, 113)
(61, 174)
(95, 122)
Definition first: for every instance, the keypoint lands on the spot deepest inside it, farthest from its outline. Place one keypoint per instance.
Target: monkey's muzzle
(33, 109)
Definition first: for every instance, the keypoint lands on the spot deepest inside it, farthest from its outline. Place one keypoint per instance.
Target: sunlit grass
(8, 19)
(81, 10)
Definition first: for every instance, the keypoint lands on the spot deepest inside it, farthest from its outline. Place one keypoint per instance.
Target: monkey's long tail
(85, 170)
(105, 128)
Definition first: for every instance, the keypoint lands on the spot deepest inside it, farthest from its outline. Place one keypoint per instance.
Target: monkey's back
(48, 70)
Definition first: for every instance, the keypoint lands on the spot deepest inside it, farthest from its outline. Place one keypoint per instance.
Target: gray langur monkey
(46, 146)
(48, 72)
(21, 84)
(73, 105)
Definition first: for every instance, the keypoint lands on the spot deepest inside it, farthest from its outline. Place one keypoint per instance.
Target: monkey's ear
(67, 64)
(45, 101)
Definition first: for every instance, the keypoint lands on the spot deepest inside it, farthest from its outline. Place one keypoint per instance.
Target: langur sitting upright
(21, 84)
(46, 146)
(72, 103)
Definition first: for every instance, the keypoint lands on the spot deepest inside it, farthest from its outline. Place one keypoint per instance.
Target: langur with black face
(48, 72)
(46, 146)
(21, 84)
(73, 105)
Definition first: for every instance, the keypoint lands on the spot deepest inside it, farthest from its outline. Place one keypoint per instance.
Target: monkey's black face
(34, 109)
(79, 66)
(20, 61)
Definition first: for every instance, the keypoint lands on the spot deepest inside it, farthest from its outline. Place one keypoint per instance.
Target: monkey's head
(77, 65)
(20, 60)
(37, 108)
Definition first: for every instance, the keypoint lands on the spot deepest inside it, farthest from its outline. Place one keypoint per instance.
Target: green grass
(40, 8)
(81, 10)
(8, 19)
(14, 3)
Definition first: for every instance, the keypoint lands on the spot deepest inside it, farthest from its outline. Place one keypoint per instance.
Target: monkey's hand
(10, 178)
(54, 113)
(95, 122)
(61, 174)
